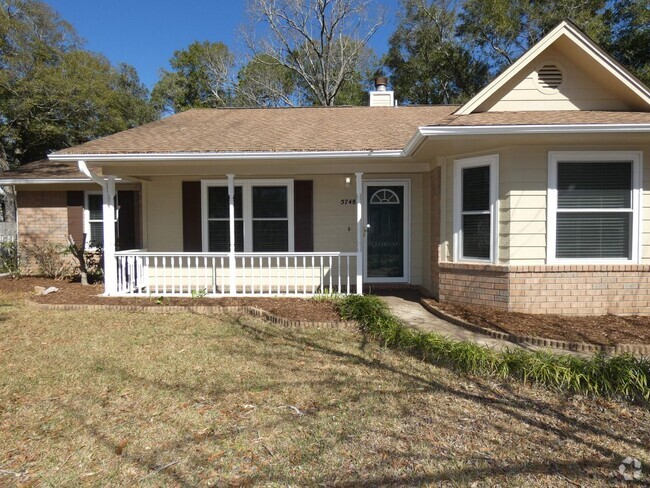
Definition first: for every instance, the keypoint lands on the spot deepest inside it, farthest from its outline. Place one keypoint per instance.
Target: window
(475, 216)
(94, 220)
(263, 216)
(593, 206)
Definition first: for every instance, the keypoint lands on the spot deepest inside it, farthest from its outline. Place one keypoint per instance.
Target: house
(530, 197)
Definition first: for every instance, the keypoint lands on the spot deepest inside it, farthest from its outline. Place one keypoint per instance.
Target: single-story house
(529, 197)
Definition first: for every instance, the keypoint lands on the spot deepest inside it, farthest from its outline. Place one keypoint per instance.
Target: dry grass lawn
(182, 400)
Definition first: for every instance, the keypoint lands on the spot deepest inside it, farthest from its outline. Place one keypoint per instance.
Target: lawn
(102, 398)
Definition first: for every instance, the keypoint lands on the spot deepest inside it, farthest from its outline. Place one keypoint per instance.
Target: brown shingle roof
(46, 169)
(548, 118)
(282, 129)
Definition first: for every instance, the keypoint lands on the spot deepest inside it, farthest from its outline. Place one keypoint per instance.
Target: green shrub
(9, 261)
(623, 376)
(50, 258)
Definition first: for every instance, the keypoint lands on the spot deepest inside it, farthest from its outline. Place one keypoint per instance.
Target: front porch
(141, 273)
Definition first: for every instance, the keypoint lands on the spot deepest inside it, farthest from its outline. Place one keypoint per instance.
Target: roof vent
(549, 77)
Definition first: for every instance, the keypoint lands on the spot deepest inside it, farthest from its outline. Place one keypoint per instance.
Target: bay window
(263, 216)
(593, 206)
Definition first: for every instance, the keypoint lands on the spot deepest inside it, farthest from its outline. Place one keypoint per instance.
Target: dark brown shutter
(75, 203)
(192, 216)
(126, 220)
(303, 211)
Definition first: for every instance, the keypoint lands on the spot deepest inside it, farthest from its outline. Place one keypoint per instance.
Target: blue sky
(145, 33)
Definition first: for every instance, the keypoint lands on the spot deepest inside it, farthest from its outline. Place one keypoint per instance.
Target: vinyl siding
(334, 224)
(579, 90)
(522, 202)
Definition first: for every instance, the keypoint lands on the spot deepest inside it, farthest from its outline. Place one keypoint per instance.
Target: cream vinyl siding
(334, 224)
(522, 202)
(163, 202)
(580, 89)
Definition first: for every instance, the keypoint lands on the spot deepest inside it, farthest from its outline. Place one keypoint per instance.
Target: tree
(502, 30)
(263, 82)
(629, 23)
(322, 42)
(53, 94)
(200, 77)
(428, 64)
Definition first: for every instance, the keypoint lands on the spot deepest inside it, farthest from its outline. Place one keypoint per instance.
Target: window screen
(476, 214)
(218, 219)
(594, 216)
(270, 219)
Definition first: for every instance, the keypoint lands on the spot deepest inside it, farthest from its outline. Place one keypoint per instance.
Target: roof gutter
(487, 130)
(42, 181)
(211, 156)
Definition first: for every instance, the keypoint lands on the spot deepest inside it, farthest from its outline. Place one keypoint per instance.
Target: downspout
(108, 214)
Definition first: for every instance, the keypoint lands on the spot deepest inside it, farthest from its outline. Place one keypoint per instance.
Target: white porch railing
(245, 274)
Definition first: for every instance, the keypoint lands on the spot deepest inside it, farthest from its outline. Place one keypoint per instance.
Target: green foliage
(263, 82)
(429, 65)
(9, 258)
(622, 376)
(200, 293)
(53, 94)
(200, 77)
(629, 21)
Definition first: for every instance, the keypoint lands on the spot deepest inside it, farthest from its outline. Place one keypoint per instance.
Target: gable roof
(565, 30)
(231, 130)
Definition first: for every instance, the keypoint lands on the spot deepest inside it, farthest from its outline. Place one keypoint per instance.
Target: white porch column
(110, 265)
(359, 181)
(231, 216)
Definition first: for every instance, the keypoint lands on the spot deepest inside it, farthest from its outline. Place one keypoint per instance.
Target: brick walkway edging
(636, 349)
(198, 309)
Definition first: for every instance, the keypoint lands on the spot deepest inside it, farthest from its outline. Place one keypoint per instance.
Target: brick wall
(42, 216)
(474, 284)
(563, 289)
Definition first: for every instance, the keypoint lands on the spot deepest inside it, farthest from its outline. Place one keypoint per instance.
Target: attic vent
(549, 77)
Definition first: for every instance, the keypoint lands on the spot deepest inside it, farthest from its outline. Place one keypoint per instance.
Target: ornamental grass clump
(622, 376)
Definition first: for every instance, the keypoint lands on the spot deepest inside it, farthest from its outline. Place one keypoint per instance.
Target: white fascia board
(48, 181)
(477, 130)
(43, 181)
(188, 156)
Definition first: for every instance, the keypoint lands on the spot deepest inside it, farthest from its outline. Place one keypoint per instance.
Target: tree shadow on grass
(515, 406)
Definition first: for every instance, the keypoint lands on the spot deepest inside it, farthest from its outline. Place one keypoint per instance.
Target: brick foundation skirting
(558, 289)
(636, 349)
(197, 309)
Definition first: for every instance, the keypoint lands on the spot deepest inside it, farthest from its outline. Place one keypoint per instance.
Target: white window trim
(86, 224)
(492, 161)
(247, 208)
(636, 158)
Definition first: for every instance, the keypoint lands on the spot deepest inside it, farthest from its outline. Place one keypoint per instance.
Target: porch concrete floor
(405, 305)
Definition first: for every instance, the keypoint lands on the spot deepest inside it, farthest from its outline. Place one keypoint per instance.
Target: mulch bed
(596, 329)
(302, 309)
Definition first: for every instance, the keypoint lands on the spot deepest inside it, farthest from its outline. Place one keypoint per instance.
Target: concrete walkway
(406, 307)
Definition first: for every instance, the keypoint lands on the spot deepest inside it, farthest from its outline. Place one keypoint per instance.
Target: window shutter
(303, 210)
(126, 220)
(192, 216)
(75, 204)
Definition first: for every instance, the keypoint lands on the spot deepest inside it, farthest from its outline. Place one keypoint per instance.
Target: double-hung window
(263, 216)
(94, 220)
(475, 208)
(593, 206)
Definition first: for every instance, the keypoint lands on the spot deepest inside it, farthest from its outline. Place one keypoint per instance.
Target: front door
(386, 231)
